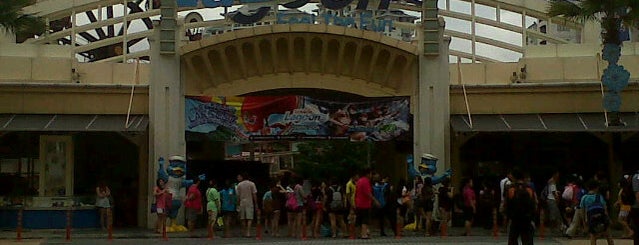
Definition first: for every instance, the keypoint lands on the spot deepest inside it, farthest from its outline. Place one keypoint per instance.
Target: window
(57, 165)
(20, 176)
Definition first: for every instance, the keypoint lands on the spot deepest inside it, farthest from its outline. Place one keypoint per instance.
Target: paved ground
(136, 236)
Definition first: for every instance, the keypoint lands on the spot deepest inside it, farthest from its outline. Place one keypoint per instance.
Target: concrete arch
(299, 56)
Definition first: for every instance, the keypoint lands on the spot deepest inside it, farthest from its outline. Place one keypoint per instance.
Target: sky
(451, 24)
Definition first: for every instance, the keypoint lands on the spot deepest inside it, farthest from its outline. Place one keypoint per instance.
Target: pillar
(432, 113)
(166, 97)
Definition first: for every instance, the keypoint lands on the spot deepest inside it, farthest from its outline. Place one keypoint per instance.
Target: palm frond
(569, 10)
(14, 20)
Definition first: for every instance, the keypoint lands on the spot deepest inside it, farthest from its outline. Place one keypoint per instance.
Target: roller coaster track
(58, 9)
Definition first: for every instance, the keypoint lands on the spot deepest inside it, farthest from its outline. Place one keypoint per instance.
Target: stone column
(166, 109)
(432, 112)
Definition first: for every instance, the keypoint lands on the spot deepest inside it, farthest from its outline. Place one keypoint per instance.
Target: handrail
(95, 25)
(112, 40)
(131, 55)
(52, 9)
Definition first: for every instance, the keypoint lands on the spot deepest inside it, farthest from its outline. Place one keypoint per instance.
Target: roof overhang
(68, 123)
(558, 122)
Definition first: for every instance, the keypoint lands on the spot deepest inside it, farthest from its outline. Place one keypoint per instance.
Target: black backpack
(596, 216)
(627, 196)
(521, 206)
(543, 196)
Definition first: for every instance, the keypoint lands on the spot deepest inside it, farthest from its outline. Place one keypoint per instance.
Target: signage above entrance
(298, 117)
(258, 14)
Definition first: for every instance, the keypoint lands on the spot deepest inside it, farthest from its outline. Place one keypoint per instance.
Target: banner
(297, 118)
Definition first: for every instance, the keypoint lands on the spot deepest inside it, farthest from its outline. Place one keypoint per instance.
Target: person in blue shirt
(229, 208)
(591, 201)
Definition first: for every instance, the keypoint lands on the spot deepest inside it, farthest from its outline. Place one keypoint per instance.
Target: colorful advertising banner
(297, 118)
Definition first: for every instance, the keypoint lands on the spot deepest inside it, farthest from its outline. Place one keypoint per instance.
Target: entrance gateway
(299, 56)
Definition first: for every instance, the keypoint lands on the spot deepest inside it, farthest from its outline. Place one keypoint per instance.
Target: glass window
(19, 176)
(57, 169)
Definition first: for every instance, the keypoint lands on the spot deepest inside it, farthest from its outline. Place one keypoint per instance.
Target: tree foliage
(14, 20)
(610, 13)
(324, 160)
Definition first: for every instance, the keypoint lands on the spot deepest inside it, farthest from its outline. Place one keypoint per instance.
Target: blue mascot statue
(176, 183)
(427, 168)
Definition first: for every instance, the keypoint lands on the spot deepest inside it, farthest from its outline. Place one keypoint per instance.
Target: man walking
(555, 222)
(504, 184)
(364, 202)
(520, 204)
(247, 196)
(381, 191)
(597, 217)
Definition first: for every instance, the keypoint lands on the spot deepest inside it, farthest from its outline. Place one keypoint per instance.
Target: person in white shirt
(503, 185)
(552, 205)
(247, 202)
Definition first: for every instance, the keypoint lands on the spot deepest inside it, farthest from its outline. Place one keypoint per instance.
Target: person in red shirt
(470, 204)
(193, 204)
(364, 201)
(162, 201)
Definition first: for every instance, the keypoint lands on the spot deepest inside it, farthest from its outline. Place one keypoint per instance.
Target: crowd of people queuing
(567, 206)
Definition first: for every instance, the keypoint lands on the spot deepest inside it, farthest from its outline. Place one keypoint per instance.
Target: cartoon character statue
(427, 168)
(176, 183)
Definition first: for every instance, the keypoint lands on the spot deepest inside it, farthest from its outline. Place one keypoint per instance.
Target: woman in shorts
(162, 200)
(626, 196)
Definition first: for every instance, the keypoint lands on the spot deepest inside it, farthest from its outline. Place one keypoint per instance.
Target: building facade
(84, 104)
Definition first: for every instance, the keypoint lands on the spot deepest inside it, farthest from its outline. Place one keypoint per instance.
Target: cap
(429, 156)
(177, 158)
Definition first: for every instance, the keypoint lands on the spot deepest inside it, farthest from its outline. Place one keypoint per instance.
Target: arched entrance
(300, 56)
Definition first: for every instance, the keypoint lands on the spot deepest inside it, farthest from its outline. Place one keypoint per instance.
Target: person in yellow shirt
(350, 197)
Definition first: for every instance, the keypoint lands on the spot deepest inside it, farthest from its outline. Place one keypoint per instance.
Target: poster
(297, 118)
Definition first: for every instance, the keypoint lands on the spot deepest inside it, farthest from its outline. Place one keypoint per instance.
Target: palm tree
(13, 20)
(613, 15)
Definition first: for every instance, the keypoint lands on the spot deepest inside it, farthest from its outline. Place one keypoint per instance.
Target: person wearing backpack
(426, 197)
(336, 208)
(504, 184)
(272, 206)
(520, 205)
(295, 207)
(597, 218)
(577, 221)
